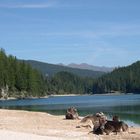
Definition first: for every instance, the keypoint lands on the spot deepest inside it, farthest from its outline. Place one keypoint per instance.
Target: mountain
(89, 67)
(51, 69)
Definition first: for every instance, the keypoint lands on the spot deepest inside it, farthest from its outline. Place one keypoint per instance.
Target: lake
(125, 106)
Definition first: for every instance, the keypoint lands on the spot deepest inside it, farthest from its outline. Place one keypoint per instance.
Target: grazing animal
(72, 113)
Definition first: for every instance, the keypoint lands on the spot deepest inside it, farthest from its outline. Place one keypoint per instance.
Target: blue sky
(97, 32)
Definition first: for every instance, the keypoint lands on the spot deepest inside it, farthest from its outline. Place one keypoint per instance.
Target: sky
(97, 32)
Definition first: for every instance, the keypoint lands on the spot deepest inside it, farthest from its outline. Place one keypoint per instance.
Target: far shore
(25, 125)
(61, 95)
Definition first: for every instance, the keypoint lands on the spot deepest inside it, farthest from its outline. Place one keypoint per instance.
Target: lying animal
(124, 125)
(93, 119)
(110, 126)
(72, 113)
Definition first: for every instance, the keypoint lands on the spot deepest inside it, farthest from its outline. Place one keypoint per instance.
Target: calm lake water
(125, 106)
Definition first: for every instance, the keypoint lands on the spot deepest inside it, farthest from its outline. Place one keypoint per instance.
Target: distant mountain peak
(51, 69)
(89, 67)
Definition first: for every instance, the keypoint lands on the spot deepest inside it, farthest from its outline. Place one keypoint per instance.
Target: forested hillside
(19, 79)
(125, 79)
(51, 69)
(68, 83)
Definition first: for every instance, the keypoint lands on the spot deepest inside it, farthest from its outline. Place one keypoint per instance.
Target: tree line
(19, 79)
(124, 79)
(68, 83)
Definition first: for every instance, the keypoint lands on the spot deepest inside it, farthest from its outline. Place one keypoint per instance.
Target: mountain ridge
(51, 69)
(89, 67)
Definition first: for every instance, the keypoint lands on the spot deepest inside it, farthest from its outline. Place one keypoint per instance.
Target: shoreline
(43, 126)
(63, 95)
